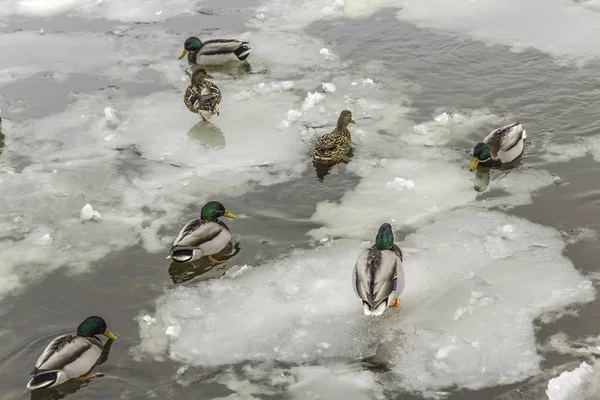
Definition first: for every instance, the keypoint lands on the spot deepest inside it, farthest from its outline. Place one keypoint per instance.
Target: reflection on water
(70, 387)
(234, 70)
(482, 179)
(207, 134)
(1, 137)
(183, 272)
(323, 169)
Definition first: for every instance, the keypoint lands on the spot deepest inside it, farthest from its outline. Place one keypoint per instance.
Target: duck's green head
(93, 326)
(385, 237)
(213, 210)
(481, 152)
(191, 44)
(344, 119)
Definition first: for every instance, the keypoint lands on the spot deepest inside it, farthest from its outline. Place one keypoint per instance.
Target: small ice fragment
(354, 84)
(287, 85)
(328, 87)
(444, 351)
(260, 16)
(443, 117)
(400, 183)
(293, 115)
(44, 240)
(158, 12)
(173, 331)
(148, 319)
(109, 137)
(111, 116)
(324, 345)
(96, 216)
(323, 240)
(182, 370)
(312, 99)
(508, 228)
(367, 81)
(324, 52)
(42, 31)
(87, 213)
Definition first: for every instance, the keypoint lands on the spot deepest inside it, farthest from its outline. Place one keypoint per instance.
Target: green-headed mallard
(499, 147)
(71, 357)
(203, 236)
(215, 51)
(378, 273)
(333, 147)
(202, 97)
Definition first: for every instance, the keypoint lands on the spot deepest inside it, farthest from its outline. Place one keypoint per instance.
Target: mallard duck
(333, 147)
(378, 273)
(202, 97)
(215, 51)
(203, 236)
(1, 136)
(499, 147)
(70, 357)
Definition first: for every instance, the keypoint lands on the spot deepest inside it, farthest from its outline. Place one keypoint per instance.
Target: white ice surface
(564, 28)
(469, 296)
(135, 10)
(571, 385)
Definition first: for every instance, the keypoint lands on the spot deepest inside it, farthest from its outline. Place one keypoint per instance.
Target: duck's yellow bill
(230, 215)
(474, 164)
(183, 54)
(109, 335)
(352, 121)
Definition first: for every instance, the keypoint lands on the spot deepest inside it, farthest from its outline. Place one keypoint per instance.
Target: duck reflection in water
(482, 179)
(183, 272)
(70, 387)
(207, 134)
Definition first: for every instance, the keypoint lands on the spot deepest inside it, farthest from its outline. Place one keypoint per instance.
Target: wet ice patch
(328, 380)
(561, 28)
(505, 271)
(425, 187)
(451, 126)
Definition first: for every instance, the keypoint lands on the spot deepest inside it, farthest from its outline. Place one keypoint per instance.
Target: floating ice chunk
(400, 183)
(293, 115)
(260, 16)
(570, 385)
(328, 87)
(112, 118)
(442, 118)
(87, 213)
(311, 99)
(367, 81)
(148, 319)
(324, 52)
(287, 85)
(45, 240)
(173, 331)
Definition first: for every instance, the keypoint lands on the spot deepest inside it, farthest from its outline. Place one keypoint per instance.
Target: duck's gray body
(200, 238)
(506, 144)
(65, 358)
(219, 52)
(374, 274)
